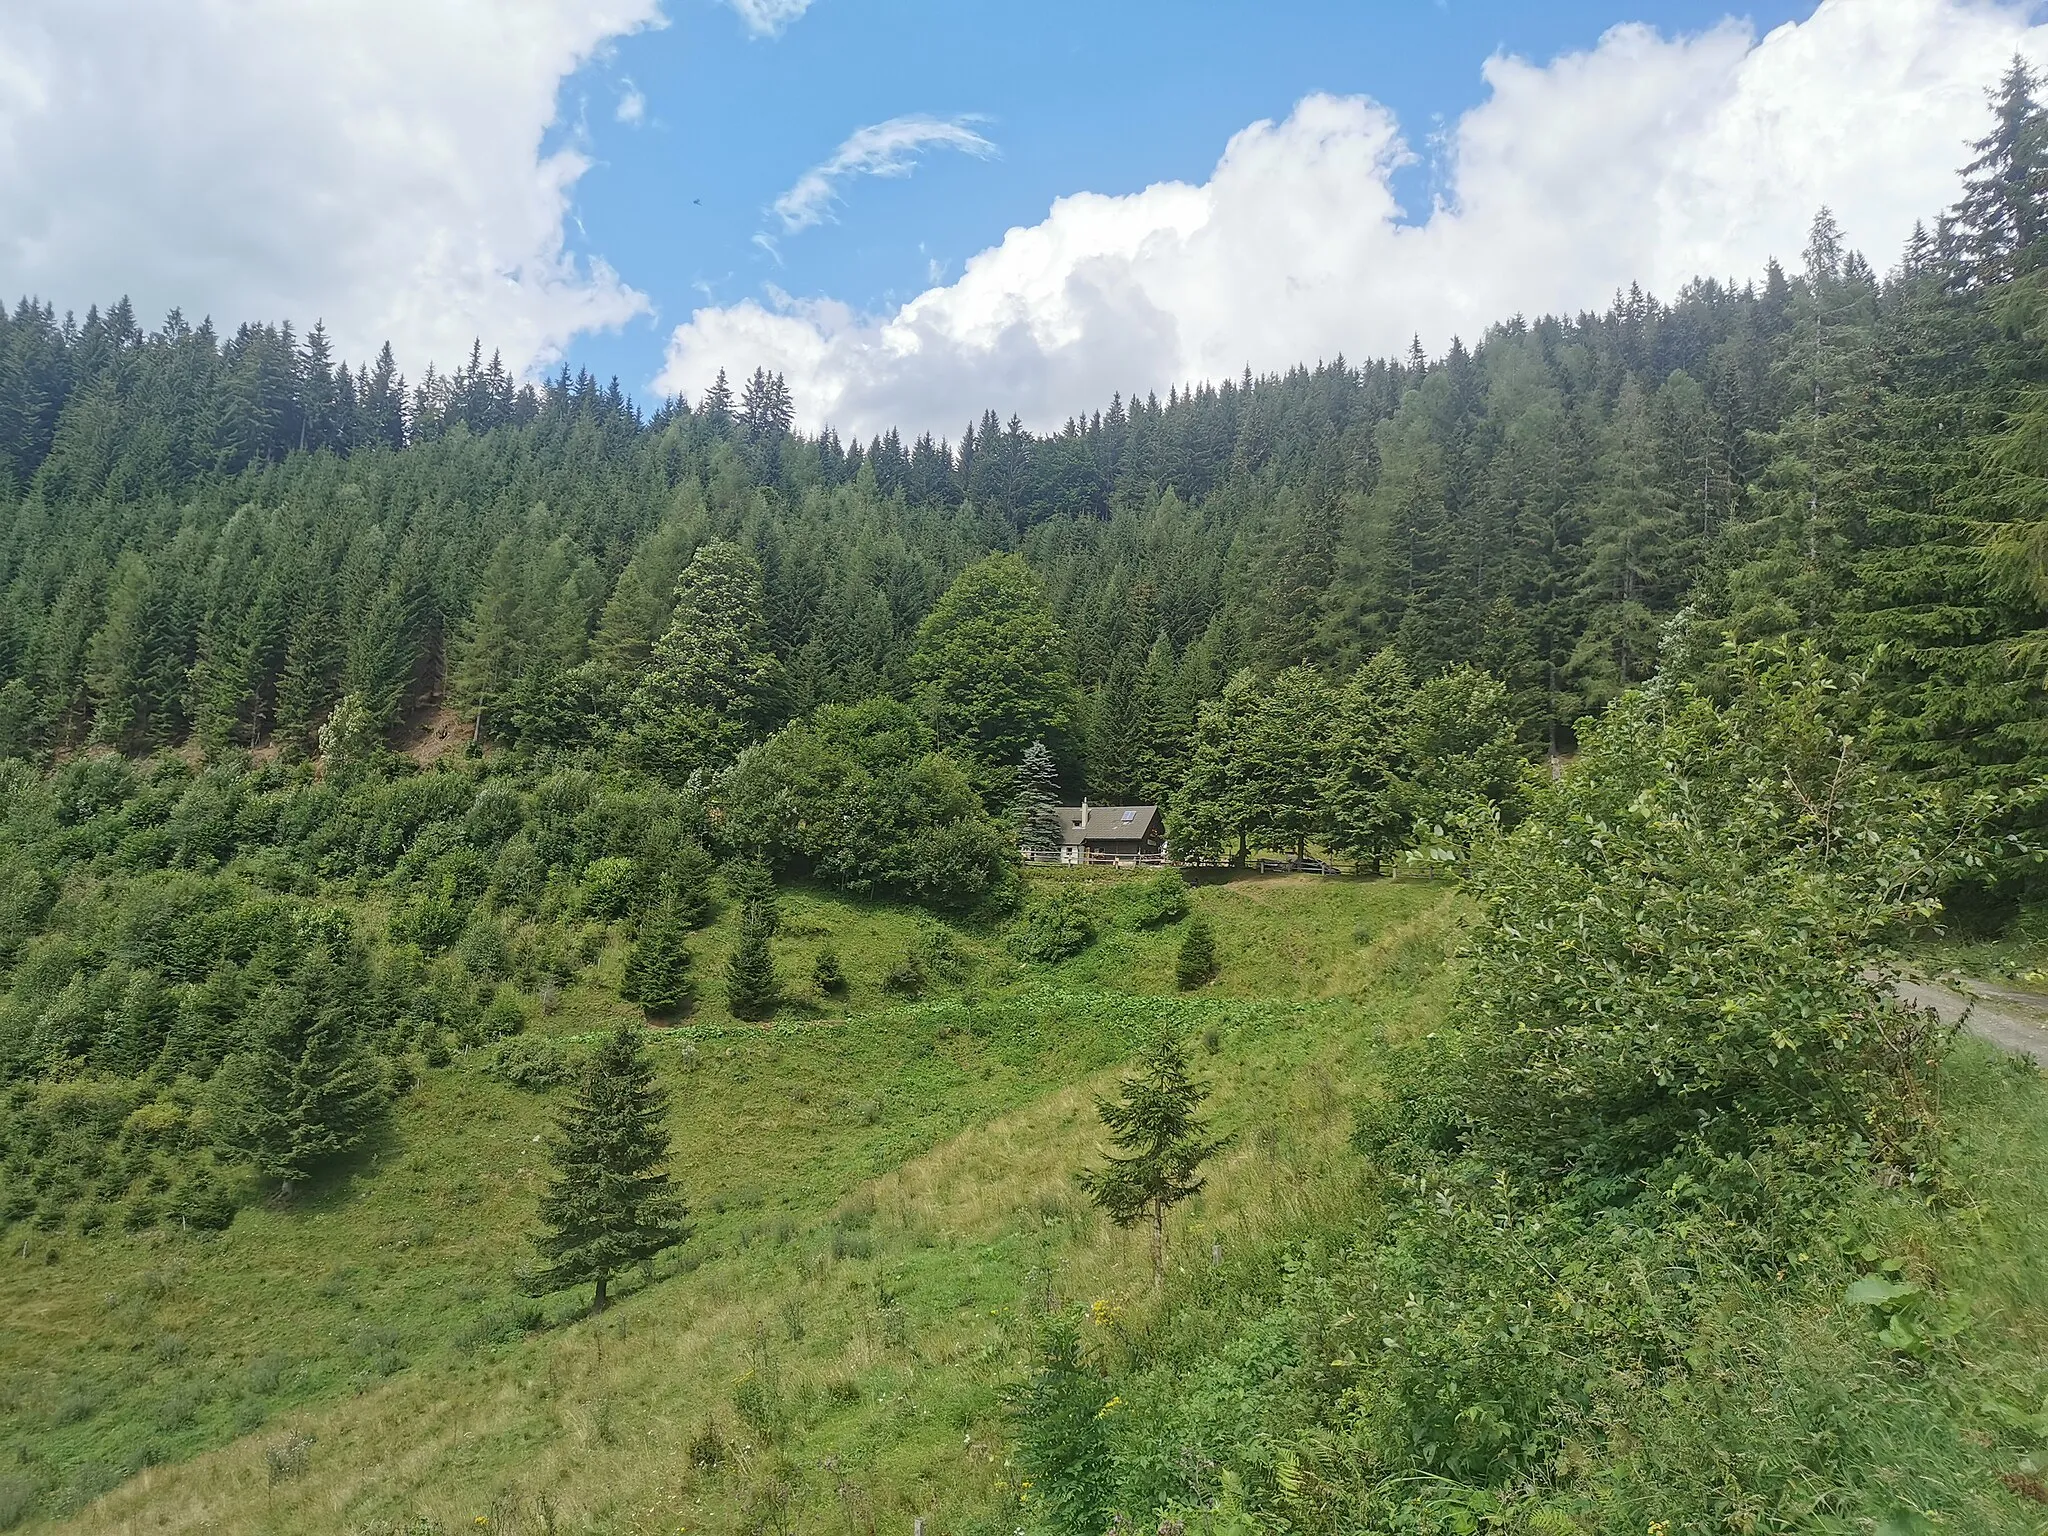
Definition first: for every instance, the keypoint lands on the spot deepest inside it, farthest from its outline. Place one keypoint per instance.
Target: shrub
(1161, 900)
(530, 1062)
(1196, 962)
(288, 1458)
(608, 887)
(1055, 926)
(503, 1018)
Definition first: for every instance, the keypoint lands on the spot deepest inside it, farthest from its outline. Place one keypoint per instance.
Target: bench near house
(1096, 834)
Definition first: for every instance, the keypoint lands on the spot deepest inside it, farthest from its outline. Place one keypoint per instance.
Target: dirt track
(2011, 1020)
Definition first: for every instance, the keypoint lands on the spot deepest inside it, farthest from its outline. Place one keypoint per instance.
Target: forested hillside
(377, 756)
(214, 538)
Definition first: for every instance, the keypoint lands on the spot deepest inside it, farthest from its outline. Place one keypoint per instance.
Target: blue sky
(1110, 197)
(1075, 97)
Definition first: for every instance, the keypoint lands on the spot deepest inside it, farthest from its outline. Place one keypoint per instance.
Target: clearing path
(2011, 1019)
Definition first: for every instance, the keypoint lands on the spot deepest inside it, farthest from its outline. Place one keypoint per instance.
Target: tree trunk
(1158, 1245)
(597, 1301)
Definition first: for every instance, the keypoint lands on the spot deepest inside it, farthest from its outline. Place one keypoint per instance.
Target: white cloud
(632, 108)
(769, 18)
(378, 163)
(880, 149)
(1645, 158)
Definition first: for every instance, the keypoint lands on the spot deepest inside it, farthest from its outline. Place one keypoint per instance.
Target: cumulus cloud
(769, 18)
(632, 107)
(880, 149)
(1646, 158)
(378, 163)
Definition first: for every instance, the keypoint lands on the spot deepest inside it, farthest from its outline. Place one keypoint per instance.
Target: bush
(1196, 962)
(1055, 926)
(608, 888)
(503, 1018)
(530, 1062)
(1161, 900)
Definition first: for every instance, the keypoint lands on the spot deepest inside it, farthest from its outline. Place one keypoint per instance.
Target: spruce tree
(751, 985)
(1038, 789)
(658, 969)
(609, 1203)
(1160, 1143)
(308, 1093)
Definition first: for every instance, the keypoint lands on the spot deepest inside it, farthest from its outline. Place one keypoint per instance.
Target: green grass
(881, 1192)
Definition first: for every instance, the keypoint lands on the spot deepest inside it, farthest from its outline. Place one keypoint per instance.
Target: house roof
(1106, 823)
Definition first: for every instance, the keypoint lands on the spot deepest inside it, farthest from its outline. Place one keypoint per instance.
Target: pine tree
(1160, 1142)
(1283, 758)
(1211, 808)
(658, 968)
(1038, 788)
(751, 985)
(827, 975)
(610, 1203)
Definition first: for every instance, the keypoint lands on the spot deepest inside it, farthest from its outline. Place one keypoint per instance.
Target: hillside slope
(883, 1204)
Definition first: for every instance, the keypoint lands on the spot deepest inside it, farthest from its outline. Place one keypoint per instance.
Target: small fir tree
(658, 969)
(609, 1203)
(1197, 960)
(1160, 1144)
(826, 973)
(751, 885)
(1038, 801)
(751, 986)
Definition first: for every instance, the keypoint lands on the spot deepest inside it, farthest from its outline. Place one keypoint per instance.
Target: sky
(918, 209)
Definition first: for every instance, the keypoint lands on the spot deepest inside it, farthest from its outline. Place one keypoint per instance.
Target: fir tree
(308, 1093)
(658, 968)
(610, 1203)
(1161, 1142)
(751, 985)
(709, 685)
(1038, 788)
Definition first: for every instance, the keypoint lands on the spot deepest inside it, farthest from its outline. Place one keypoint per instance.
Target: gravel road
(2010, 1019)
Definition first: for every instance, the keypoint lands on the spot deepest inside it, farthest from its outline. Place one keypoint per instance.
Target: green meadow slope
(883, 1207)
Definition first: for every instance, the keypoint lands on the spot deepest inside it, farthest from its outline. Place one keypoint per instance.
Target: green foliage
(609, 887)
(992, 675)
(856, 797)
(308, 1092)
(827, 974)
(1038, 800)
(709, 682)
(1062, 1446)
(1682, 942)
(1161, 900)
(1055, 926)
(609, 1203)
